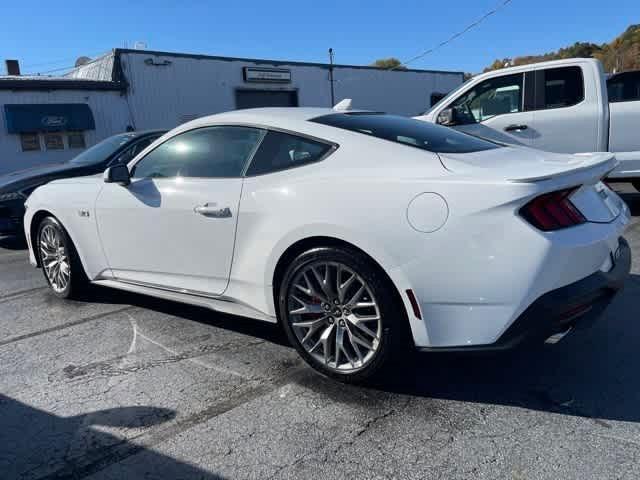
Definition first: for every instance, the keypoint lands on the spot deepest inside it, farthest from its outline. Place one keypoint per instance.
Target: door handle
(516, 128)
(212, 210)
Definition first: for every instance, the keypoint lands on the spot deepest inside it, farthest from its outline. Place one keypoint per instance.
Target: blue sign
(48, 117)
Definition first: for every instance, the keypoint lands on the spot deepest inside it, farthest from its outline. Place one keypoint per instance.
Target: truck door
(494, 109)
(624, 109)
(567, 116)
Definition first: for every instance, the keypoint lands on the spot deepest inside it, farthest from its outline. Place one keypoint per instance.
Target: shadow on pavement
(243, 325)
(39, 444)
(591, 373)
(633, 201)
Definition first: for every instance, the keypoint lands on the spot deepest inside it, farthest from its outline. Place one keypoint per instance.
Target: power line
(68, 59)
(50, 71)
(472, 25)
(97, 57)
(455, 35)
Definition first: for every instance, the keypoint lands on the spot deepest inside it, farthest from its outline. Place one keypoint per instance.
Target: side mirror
(117, 174)
(447, 117)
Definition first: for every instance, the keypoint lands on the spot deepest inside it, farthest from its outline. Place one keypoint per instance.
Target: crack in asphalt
(359, 432)
(113, 368)
(64, 326)
(12, 259)
(93, 462)
(13, 295)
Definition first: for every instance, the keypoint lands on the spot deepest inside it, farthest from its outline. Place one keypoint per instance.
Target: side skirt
(218, 304)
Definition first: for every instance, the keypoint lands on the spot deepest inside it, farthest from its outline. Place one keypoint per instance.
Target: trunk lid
(521, 164)
(549, 171)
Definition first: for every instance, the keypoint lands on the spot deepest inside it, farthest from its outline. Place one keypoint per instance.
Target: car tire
(337, 318)
(636, 185)
(66, 277)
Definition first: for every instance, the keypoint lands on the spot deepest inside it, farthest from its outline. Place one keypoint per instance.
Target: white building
(50, 119)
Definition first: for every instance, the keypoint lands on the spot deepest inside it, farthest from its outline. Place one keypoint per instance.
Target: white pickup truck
(566, 106)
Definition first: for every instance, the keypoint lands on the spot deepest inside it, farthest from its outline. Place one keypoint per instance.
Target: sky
(45, 36)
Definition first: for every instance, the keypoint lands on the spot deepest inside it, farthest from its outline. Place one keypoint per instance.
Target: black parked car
(17, 186)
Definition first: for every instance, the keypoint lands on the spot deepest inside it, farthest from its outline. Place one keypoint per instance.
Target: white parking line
(138, 334)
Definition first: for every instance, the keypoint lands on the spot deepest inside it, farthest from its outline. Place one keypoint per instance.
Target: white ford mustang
(363, 234)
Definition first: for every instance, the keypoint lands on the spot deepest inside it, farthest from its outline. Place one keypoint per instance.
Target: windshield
(415, 133)
(103, 150)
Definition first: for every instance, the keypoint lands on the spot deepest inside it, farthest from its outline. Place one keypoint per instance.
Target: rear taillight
(553, 211)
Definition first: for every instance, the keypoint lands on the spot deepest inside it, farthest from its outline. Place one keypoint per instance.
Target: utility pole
(333, 99)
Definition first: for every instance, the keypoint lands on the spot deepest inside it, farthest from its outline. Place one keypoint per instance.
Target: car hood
(33, 177)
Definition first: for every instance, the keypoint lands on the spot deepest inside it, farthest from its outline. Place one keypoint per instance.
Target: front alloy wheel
(55, 258)
(59, 260)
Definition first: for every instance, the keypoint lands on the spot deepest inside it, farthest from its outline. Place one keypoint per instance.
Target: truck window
(563, 87)
(624, 87)
(494, 96)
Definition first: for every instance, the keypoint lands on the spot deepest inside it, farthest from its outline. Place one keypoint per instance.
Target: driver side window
(495, 96)
(209, 152)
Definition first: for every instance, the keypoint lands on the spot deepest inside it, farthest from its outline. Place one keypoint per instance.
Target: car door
(565, 120)
(174, 225)
(495, 109)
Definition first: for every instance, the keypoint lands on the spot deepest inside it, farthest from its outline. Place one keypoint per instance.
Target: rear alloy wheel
(338, 311)
(60, 263)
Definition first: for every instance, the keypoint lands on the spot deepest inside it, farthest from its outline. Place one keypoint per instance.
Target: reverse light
(553, 211)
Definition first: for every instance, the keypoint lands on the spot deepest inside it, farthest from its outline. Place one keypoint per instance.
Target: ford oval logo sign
(54, 121)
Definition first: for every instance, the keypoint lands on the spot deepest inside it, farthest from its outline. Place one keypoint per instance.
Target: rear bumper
(576, 305)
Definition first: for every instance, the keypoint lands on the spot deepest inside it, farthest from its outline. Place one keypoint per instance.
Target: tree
(623, 53)
(389, 63)
(498, 64)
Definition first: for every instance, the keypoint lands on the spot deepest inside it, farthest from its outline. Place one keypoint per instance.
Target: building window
(30, 142)
(76, 140)
(53, 141)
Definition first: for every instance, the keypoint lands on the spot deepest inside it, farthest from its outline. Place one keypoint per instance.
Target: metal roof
(42, 82)
(118, 51)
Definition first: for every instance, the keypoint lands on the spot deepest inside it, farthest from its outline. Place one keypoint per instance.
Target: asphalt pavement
(125, 387)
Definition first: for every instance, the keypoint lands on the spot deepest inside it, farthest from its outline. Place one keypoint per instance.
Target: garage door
(265, 98)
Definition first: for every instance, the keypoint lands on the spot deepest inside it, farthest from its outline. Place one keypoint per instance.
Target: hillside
(623, 53)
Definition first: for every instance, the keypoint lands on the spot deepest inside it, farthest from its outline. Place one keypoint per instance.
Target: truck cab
(559, 106)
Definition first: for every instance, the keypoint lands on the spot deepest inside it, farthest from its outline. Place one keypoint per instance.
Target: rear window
(415, 133)
(624, 87)
(563, 87)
